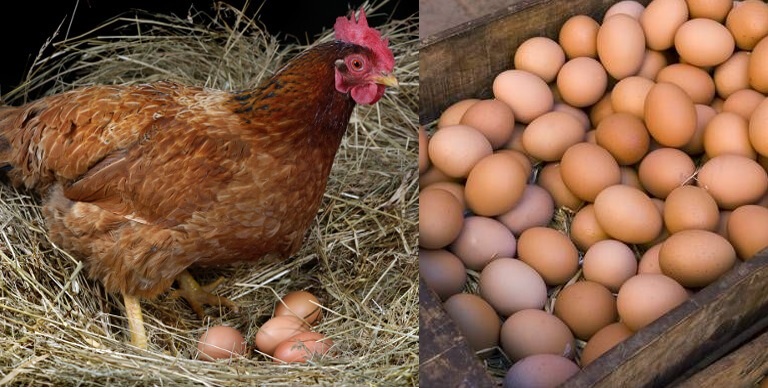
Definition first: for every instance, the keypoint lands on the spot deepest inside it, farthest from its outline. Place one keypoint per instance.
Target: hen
(143, 181)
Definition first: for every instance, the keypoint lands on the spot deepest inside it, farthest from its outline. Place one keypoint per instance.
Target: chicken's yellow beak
(386, 80)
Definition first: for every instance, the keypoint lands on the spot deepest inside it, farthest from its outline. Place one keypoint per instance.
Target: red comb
(358, 32)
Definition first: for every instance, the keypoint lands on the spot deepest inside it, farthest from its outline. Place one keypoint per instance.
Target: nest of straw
(57, 327)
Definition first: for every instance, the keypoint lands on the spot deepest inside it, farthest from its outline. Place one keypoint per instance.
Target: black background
(24, 30)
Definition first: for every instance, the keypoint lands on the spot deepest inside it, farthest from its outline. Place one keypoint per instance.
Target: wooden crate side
(742, 368)
(462, 62)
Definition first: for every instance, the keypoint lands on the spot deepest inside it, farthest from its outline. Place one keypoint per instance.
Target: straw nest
(59, 328)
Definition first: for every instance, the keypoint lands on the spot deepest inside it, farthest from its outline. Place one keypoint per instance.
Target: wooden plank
(742, 368)
(445, 358)
(462, 61)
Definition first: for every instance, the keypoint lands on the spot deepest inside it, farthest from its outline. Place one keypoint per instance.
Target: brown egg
(587, 169)
(550, 252)
(550, 179)
(492, 118)
(664, 169)
(535, 208)
(628, 95)
(423, 150)
(481, 240)
(758, 61)
(670, 115)
(744, 102)
(585, 230)
(532, 331)
(627, 214)
(624, 136)
(475, 319)
(653, 62)
(522, 158)
(645, 298)
(540, 370)
(722, 227)
(495, 184)
(276, 330)
(586, 307)
(630, 178)
(627, 7)
(301, 304)
(578, 113)
(441, 217)
(704, 113)
(696, 82)
(541, 56)
(660, 21)
(610, 263)
(649, 262)
(578, 36)
(457, 189)
(690, 207)
(695, 258)
(527, 94)
(456, 149)
(704, 42)
(758, 128)
(220, 342)
(716, 10)
(582, 81)
(747, 231)
(604, 340)
(452, 115)
(733, 180)
(511, 285)
(434, 175)
(728, 133)
(549, 135)
(303, 347)
(621, 45)
(443, 272)
(747, 23)
(732, 75)
(601, 109)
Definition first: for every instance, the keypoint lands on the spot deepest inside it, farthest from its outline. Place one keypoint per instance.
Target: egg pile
(615, 172)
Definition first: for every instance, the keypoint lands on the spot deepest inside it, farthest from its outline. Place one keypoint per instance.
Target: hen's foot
(197, 295)
(135, 321)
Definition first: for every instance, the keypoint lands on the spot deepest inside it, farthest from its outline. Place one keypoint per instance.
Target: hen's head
(364, 76)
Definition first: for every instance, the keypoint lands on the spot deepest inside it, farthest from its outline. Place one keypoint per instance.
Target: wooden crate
(717, 337)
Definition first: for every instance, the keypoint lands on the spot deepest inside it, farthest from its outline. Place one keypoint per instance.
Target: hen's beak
(386, 80)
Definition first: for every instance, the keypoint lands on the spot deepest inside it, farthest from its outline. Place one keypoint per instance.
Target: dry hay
(59, 328)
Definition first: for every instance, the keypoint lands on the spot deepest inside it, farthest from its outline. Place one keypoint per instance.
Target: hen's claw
(197, 295)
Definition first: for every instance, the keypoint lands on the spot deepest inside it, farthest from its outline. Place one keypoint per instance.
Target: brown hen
(143, 181)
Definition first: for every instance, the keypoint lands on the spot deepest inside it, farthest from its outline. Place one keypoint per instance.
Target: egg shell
(601, 109)
(690, 207)
(585, 230)
(441, 218)
(550, 252)
(541, 56)
(744, 102)
(728, 133)
(733, 180)
(624, 136)
(434, 175)
(510, 285)
(481, 240)
(627, 7)
(758, 128)
(423, 150)
(532, 331)
(649, 262)
(578, 36)
(521, 158)
(540, 370)
(549, 135)
(492, 118)
(610, 263)
(644, 298)
(758, 61)
(664, 169)
(452, 115)
(670, 115)
(722, 227)
(586, 307)
(276, 330)
(653, 62)
(524, 92)
(627, 214)
(549, 178)
(578, 113)
(660, 20)
(630, 178)
(747, 23)
(301, 304)
(695, 258)
(220, 342)
(582, 81)
(621, 45)
(457, 189)
(456, 149)
(747, 230)
(475, 319)
(443, 272)
(535, 208)
(495, 184)
(587, 169)
(732, 75)
(704, 42)
(303, 347)
(628, 95)
(604, 340)
(716, 10)
(704, 113)
(696, 82)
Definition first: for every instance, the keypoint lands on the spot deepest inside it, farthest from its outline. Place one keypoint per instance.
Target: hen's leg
(197, 295)
(135, 321)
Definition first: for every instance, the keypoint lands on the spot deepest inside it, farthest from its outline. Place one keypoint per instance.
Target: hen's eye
(356, 64)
